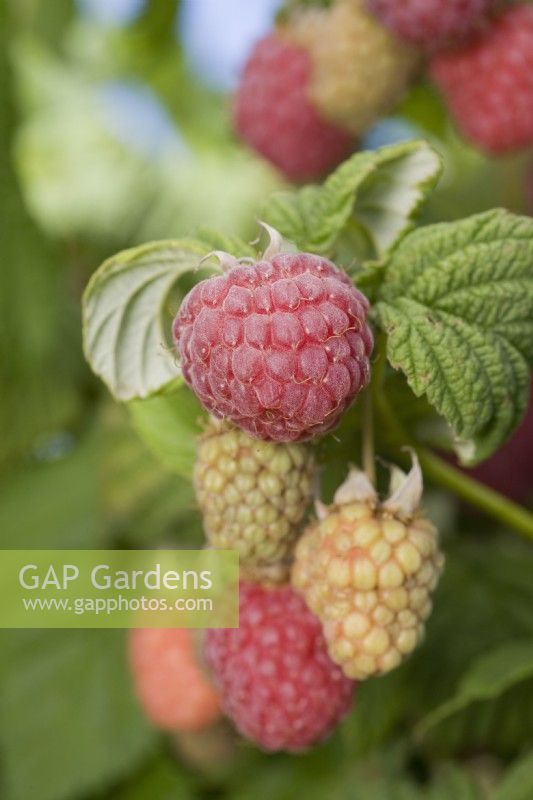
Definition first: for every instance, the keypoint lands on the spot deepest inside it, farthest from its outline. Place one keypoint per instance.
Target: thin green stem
(448, 476)
(479, 495)
(380, 363)
(368, 454)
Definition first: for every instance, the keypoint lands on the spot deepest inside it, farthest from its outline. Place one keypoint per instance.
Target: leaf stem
(448, 476)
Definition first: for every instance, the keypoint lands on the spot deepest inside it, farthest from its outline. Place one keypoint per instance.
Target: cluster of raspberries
(325, 75)
(277, 350)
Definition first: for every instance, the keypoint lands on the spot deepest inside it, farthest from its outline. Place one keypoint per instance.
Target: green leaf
(457, 305)
(489, 677)
(145, 503)
(169, 424)
(214, 240)
(490, 579)
(39, 341)
(379, 707)
(163, 780)
(380, 192)
(69, 723)
(54, 504)
(500, 725)
(127, 316)
(452, 781)
(335, 773)
(518, 782)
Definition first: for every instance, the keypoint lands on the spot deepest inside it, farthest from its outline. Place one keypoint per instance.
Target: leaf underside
(128, 308)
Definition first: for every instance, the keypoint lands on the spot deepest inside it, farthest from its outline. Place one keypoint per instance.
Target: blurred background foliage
(114, 129)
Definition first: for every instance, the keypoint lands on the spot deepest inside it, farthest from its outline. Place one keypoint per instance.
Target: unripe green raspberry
(253, 495)
(360, 71)
(367, 570)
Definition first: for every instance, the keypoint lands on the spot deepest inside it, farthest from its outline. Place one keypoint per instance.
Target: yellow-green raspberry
(367, 570)
(360, 70)
(253, 495)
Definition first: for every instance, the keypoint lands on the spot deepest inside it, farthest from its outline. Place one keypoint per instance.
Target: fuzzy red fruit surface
(275, 116)
(170, 683)
(431, 24)
(276, 680)
(280, 347)
(488, 83)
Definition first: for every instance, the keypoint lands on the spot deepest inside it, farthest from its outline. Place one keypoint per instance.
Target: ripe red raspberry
(274, 114)
(431, 24)
(488, 83)
(169, 681)
(276, 680)
(280, 347)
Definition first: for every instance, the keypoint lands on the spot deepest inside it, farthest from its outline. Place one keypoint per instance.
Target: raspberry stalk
(456, 481)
